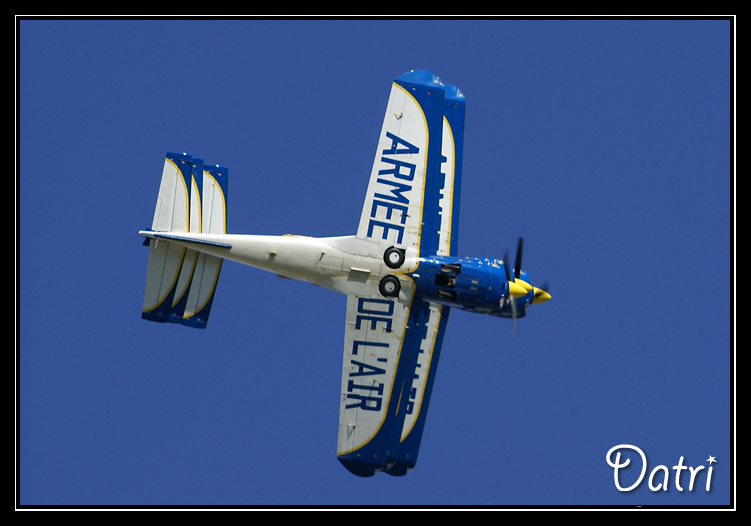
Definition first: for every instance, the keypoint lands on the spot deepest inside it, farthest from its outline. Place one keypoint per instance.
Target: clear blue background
(606, 144)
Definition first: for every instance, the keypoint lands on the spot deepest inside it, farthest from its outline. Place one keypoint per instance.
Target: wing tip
(399, 469)
(368, 469)
(421, 77)
(453, 93)
(359, 468)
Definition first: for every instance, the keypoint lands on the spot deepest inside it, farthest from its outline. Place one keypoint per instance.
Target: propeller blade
(518, 265)
(505, 268)
(513, 288)
(519, 288)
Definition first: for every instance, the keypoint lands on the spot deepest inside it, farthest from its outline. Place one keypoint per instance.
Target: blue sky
(606, 144)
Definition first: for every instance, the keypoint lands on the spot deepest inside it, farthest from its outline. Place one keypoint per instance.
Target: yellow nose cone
(540, 296)
(515, 289)
(522, 283)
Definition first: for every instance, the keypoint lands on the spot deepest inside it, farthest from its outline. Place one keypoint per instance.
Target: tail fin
(180, 282)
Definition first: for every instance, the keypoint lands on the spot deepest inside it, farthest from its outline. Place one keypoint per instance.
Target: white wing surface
(392, 212)
(373, 374)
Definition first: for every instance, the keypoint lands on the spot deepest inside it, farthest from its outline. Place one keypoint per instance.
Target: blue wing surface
(426, 351)
(451, 171)
(440, 236)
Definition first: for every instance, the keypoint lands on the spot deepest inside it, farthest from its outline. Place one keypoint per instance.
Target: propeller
(518, 287)
(514, 288)
(511, 288)
(518, 264)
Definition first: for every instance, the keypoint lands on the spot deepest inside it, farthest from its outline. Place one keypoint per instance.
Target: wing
(376, 353)
(433, 318)
(451, 171)
(391, 349)
(406, 167)
(391, 353)
(426, 350)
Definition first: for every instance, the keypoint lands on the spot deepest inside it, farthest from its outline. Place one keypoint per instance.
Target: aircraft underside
(399, 272)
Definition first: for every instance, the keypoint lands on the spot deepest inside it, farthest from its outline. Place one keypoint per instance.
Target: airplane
(400, 271)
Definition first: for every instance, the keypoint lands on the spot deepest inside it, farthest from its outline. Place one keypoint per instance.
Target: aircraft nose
(516, 289)
(540, 296)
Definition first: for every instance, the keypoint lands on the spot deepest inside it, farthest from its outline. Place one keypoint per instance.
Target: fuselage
(347, 264)
(472, 284)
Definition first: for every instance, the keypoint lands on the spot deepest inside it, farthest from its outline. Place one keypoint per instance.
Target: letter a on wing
(406, 161)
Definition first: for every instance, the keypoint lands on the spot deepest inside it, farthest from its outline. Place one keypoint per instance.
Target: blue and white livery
(400, 272)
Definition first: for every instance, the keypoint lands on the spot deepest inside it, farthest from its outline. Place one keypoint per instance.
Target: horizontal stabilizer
(191, 256)
(202, 289)
(173, 201)
(214, 221)
(163, 269)
(180, 282)
(197, 240)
